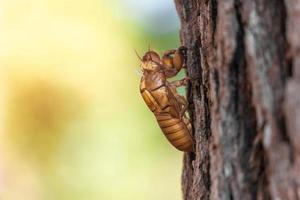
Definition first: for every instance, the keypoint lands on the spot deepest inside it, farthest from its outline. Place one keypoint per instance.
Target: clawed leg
(184, 103)
(182, 50)
(169, 52)
(173, 61)
(182, 82)
(173, 85)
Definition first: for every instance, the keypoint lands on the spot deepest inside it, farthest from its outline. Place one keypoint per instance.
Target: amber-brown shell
(161, 101)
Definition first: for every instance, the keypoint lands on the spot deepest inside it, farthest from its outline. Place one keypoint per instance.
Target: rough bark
(244, 98)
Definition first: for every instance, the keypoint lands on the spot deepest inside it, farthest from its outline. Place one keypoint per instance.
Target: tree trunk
(244, 98)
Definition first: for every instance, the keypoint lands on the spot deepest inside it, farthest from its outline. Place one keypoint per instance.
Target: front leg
(167, 63)
(182, 50)
(179, 58)
(169, 52)
(173, 61)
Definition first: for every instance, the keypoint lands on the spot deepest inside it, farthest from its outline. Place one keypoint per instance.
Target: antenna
(138, 55)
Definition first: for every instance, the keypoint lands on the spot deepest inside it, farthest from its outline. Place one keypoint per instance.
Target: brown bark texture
(243, 59)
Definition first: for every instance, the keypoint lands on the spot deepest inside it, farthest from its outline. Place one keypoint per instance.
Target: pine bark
(243, 59)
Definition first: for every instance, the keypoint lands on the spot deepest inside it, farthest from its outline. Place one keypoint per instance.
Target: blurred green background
(73, 125)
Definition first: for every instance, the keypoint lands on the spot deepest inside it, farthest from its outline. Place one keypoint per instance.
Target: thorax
(153, 80)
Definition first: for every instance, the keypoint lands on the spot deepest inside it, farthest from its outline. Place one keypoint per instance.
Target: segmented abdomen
(177, 131)
(166, 109)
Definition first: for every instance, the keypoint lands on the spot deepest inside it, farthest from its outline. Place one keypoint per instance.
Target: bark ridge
(243, 60)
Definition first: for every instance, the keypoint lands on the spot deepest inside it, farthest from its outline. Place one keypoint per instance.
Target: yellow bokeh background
(72, 122)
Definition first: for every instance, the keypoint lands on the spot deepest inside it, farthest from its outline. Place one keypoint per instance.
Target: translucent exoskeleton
(162, 97)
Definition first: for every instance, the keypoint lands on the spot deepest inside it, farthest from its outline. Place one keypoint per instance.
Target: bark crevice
(243, 58)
